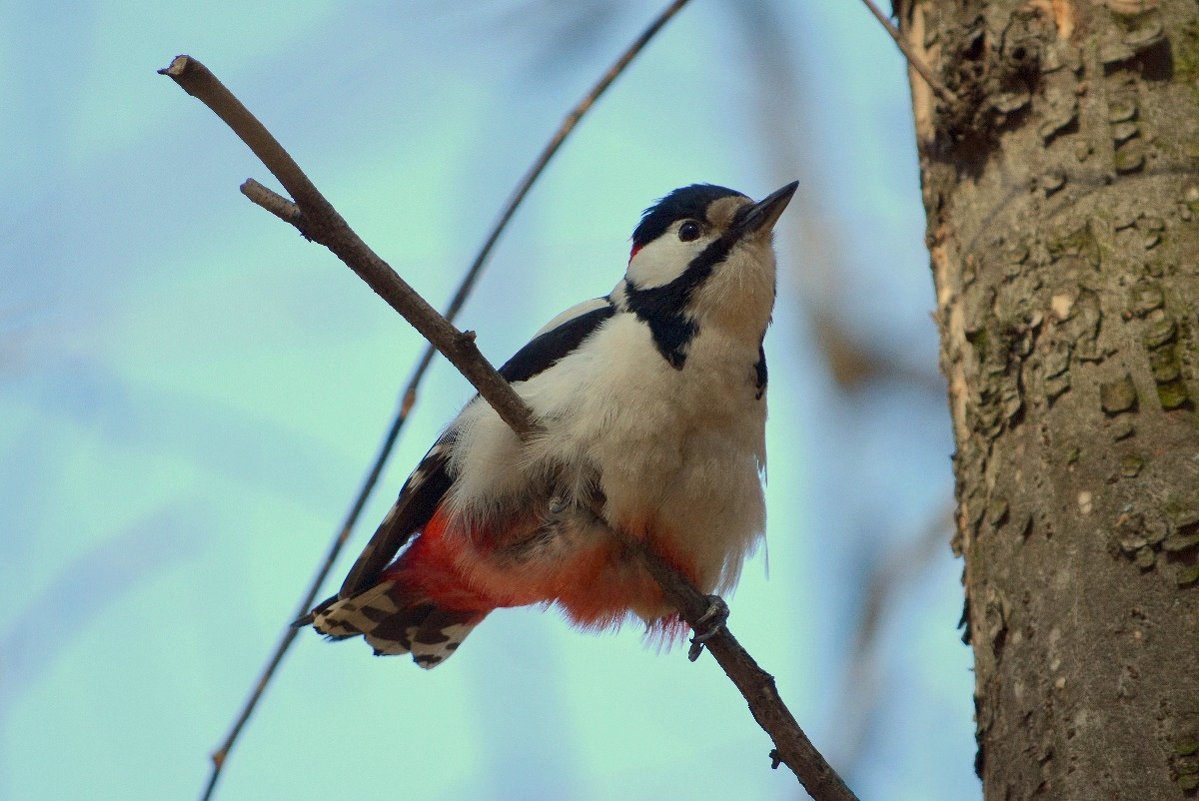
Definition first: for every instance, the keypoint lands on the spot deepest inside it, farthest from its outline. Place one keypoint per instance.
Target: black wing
(419, 497)
(549, 346)
(427, 485)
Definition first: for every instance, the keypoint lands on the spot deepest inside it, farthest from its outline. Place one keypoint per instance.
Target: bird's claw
(709, 625)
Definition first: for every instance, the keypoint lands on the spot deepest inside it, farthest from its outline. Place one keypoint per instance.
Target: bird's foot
(709, 625)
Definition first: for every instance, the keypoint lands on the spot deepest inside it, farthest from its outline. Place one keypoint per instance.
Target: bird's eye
(688, 231)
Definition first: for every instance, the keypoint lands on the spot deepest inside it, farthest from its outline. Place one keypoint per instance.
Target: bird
(650, 405)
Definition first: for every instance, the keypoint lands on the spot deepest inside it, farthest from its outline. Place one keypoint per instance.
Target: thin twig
(290, 213)
(324, 225)
(273, 202)
(569, 123)
(220, 755)
(941, 90)
(791, 746)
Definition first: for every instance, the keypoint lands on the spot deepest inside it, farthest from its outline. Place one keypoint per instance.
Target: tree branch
(287, 211)
(320, 222)
(273, 202)
(791, 745)
(939, 89)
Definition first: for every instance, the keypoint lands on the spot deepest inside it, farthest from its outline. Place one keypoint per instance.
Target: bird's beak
(762, 216)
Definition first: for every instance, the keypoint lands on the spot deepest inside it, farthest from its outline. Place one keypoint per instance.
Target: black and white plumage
(651, 401)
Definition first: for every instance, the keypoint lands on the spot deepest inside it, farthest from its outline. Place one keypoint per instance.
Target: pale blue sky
(190, 395)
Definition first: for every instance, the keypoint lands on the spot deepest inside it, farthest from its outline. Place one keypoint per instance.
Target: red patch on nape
(633, 252)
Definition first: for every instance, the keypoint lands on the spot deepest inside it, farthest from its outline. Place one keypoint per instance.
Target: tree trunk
(1062, 194)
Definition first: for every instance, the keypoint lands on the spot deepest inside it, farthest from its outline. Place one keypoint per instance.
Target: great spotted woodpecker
(652, 408)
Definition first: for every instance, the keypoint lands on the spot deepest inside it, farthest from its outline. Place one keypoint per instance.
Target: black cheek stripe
(664, 307)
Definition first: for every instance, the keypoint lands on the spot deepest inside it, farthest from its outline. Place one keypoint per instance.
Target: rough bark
(1062, 195)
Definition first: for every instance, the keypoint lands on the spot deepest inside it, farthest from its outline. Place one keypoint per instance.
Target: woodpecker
(651, 406)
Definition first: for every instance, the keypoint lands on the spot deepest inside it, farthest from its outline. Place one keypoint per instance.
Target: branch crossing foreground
(315, 218)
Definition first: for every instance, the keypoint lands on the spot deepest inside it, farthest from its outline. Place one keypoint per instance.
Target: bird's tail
(395, 618)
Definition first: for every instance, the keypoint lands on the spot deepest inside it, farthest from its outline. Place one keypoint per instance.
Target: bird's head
(703, 256)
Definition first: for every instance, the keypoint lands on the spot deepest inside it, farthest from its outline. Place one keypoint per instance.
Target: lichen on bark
(1062, 196)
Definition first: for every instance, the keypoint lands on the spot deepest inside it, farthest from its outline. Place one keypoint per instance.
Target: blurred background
(190, 395)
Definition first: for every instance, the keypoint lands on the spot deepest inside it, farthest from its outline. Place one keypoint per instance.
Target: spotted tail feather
(388, 617)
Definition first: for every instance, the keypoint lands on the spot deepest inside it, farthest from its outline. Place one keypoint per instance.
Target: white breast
(682, 449)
